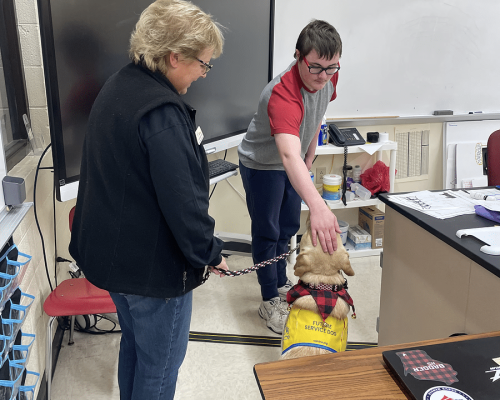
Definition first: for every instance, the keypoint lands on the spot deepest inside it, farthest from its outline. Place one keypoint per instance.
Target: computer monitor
(85, 41)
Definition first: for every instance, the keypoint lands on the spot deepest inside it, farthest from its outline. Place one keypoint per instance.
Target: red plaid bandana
(325, 299)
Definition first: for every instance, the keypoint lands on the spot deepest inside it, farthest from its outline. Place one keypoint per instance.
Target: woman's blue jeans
(155, 334)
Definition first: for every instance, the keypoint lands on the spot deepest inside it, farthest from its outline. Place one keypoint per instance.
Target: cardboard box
(359, 238)
(371, 219)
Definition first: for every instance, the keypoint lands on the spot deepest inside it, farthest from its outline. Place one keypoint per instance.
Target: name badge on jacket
(199, 135)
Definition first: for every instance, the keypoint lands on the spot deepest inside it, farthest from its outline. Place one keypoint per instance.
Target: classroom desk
(350, 375)
(434, 283)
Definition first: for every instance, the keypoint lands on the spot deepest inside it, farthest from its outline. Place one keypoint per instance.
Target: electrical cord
(57, 259)
(97, 331)
(65, 325)
(209, 197)
(55, 230)
(237, 191)
(75, 274)
(344, 176)
(36, 215)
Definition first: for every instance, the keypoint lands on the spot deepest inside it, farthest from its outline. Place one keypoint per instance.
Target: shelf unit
(13, 321)
(371, 149)
(338, 205)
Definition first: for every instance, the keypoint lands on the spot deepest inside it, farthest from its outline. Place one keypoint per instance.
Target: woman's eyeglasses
(208, 67)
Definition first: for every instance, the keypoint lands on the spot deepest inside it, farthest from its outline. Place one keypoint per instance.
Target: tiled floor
(88, 369)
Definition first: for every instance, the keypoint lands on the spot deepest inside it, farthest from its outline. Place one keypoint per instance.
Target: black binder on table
(465, 370)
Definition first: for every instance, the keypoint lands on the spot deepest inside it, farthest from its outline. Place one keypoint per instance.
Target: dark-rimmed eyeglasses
(208, 67)
(318, 70)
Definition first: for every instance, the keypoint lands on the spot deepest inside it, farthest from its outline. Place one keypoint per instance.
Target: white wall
(29, 36)
(403, 57)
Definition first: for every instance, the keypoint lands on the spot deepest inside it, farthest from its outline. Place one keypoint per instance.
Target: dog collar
(324, 286)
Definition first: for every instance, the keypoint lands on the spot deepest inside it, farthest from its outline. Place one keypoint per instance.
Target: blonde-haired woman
(142, 229)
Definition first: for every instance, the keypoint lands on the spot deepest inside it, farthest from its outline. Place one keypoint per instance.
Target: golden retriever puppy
(317, 323)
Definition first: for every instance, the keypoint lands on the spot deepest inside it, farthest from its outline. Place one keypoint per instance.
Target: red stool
(73, 297)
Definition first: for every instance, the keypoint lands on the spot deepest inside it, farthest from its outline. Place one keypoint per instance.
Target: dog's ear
(306, 240)
(343, 259)
(347, 268)
(302, 265)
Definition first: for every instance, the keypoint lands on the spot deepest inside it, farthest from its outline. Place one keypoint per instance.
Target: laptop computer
(466, 370)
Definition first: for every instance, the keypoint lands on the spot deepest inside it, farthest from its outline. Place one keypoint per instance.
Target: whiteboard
(403, 57)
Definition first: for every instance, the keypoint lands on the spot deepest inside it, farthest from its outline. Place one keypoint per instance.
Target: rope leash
(250, 269)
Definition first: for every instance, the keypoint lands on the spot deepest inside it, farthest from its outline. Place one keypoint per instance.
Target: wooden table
(351, 375)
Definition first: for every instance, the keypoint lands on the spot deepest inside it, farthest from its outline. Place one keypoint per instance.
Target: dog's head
(315, 266)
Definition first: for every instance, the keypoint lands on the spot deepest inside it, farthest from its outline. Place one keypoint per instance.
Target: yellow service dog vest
(306, 328)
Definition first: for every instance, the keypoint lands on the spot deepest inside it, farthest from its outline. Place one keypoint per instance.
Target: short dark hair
(320, 36)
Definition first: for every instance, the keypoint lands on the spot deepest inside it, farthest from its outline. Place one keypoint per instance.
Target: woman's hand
(221, 266)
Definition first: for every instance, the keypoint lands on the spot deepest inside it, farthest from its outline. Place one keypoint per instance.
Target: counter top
(446, 230)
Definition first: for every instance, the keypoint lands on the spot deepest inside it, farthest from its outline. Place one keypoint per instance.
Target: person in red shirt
(276, 155)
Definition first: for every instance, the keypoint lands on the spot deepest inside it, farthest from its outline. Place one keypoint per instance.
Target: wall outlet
(320, 171)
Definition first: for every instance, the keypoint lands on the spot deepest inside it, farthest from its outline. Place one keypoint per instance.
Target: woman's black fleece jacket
(141, 223)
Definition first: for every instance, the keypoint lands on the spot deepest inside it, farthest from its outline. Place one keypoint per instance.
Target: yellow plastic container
(331, 187)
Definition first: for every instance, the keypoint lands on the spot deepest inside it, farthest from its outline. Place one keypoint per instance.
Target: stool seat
(78, 297)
